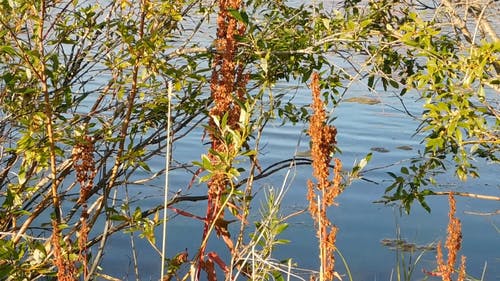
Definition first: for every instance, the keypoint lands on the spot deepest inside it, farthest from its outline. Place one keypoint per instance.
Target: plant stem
(167, 168)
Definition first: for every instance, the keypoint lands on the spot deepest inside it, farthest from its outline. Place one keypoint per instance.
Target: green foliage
(459, 119)
(235, 142)
(95, 70)
(265, 239)
(72, 69)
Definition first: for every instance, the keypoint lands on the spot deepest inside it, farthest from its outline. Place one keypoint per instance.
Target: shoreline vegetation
(91, 93)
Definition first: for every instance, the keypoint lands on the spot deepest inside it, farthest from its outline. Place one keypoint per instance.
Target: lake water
(362, 223)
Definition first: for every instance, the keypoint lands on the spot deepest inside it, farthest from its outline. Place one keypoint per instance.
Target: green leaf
(392, 175)
(282, 241)
(404, 170)
(371, 80)
(205, 164)
(365, 161)
(249, 153)
(421, 200)
(144, 166)
(205, 178)
(461, 173)
(117, 217)
(7, 50)
(281, 227)
(241, 16)
(391, 187)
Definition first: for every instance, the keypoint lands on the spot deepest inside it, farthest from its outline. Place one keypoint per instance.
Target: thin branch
(467, 194)
(185, 51)
(497, 212)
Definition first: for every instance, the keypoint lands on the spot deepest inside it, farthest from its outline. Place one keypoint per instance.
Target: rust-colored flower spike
(441, 266)
(454, 240)
(322, 137)
(453, 244)
(84, 165)
(228, 83)
(461, 272)
(322, 194)
(66, 270)
(228, 79)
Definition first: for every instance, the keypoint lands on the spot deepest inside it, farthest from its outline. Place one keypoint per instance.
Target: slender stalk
(48, 115)
(167, 168)
(346, 265)
(322, 257)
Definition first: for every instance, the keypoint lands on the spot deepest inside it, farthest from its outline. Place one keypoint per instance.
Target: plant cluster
(227, 131)
(83, 112)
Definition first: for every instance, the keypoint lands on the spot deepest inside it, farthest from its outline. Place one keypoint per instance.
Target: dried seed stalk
(84, 165)
(461, 272)
(66, 270)
(228, 83)
(322, 147)
(453, 244)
